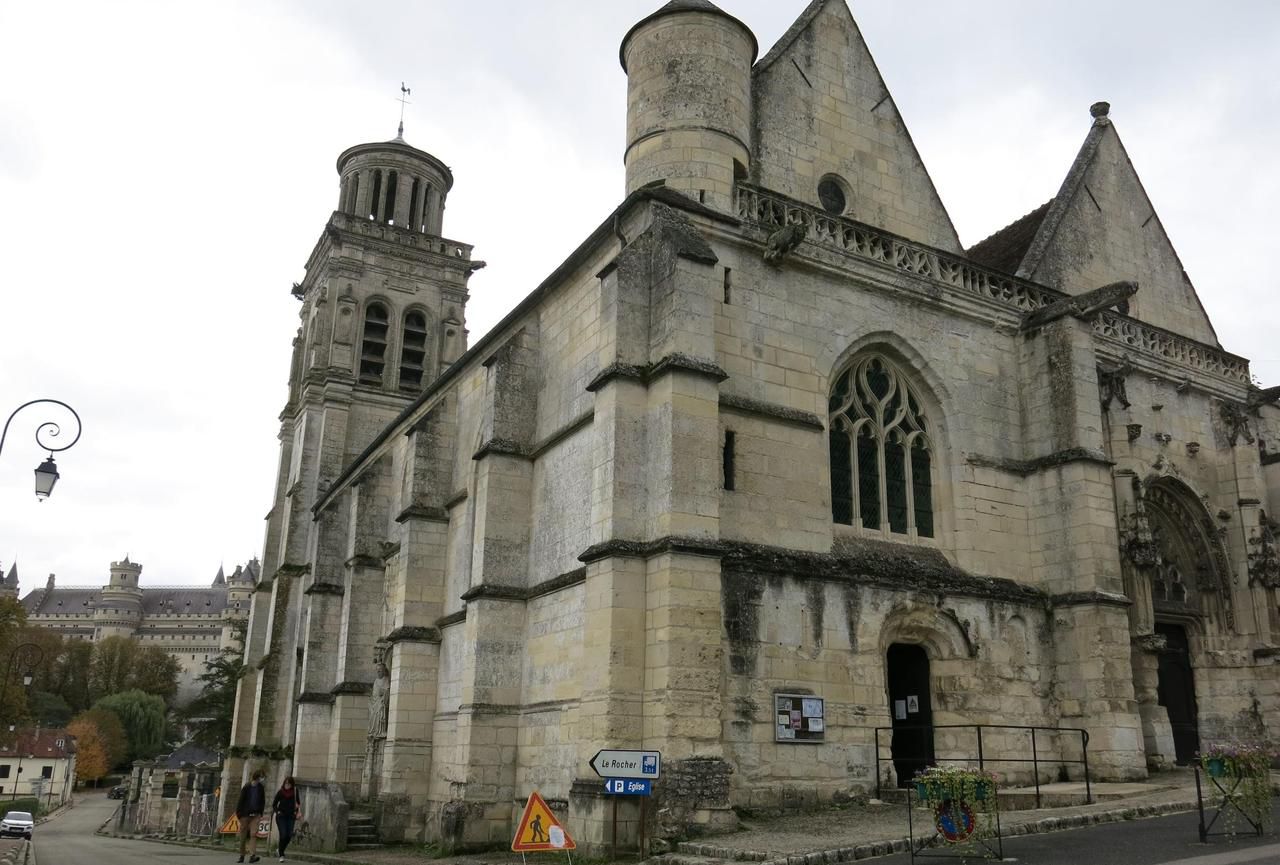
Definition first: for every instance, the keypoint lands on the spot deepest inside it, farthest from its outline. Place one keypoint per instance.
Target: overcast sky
(166, 167)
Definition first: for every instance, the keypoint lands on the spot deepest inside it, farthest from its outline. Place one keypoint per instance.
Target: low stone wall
(325, 811)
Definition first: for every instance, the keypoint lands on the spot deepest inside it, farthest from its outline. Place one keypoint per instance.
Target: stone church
(189, 623)
(770, 475)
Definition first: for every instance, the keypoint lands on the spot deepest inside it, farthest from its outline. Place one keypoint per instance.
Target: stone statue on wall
(379, 697)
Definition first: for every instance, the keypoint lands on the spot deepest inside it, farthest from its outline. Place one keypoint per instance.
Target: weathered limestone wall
(791, 633)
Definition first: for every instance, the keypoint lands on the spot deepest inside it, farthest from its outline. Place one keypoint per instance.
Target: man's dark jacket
(253, 800)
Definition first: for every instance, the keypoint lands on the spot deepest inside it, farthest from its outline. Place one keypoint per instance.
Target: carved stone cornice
(1031, 466)
(670, 363)
(359, 688)
(412, 634)
(319, 588)
(502, 447)
(425, 513)
(315, 697)
(1089, 599)
(770, 211)
(749, 406)
(362, 560)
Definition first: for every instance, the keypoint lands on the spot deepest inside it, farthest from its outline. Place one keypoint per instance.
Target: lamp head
(46, 477)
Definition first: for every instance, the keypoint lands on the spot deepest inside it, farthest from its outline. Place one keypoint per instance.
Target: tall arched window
(413, 351)
(881, 455)
(373, 348)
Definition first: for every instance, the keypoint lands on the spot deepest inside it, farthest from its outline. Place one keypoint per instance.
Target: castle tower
(688, 71)
(240, 586)
(9, 585)
(119, 608)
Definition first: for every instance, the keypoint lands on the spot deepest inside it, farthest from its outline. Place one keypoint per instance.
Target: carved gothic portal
(1177, 575)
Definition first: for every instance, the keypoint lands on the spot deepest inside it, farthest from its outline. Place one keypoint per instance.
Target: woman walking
(288, 809)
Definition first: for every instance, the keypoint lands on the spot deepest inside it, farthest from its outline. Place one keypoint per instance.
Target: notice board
(799, 718)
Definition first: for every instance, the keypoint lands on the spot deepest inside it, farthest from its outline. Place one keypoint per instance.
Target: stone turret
(394, 183)
(119, 608)
(688, 71)
(9, 585)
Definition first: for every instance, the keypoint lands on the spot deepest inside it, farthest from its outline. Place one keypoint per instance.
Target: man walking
(253, 801)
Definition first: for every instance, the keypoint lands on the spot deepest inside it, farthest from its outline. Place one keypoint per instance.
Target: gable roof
(808, 125)
(51, 744)
(1074, 247)
(1005, 250)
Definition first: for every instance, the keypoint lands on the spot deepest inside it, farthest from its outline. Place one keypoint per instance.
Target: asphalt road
(1172, 840)
(68, 839)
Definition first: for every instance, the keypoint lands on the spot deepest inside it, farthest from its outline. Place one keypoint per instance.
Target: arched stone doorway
(1176, 574)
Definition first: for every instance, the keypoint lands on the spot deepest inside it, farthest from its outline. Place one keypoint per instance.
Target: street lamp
(47, 471)
(27, 649)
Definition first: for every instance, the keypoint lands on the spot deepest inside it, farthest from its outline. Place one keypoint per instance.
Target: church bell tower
(383, 314)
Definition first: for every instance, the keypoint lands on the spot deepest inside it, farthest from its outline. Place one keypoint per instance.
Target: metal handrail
(982, 759)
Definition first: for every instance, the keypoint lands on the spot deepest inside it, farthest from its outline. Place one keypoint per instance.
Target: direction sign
(628, 786)
(627, 764)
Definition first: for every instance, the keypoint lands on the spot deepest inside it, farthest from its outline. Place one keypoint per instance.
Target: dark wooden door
(907, 671)
(1176, 691)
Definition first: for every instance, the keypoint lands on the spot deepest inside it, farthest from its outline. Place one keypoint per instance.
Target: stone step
(362, 846)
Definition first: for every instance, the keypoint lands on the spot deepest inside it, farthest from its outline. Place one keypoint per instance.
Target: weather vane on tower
(404, 100)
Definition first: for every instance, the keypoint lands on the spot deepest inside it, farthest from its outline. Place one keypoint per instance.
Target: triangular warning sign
(231, 827)
(539, 829)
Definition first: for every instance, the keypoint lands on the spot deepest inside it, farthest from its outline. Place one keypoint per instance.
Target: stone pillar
(404, 194)
(1077, 558)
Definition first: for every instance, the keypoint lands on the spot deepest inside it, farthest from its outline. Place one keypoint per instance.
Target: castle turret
(119, 608)
(9, 585)
(688, 71)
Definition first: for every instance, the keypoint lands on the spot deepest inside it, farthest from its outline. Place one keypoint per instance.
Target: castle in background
(190, 623)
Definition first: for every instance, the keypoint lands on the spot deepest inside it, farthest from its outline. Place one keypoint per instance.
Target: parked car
(117, 792)
(18, 823)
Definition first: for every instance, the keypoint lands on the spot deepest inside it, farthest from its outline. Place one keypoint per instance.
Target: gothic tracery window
(881, 455)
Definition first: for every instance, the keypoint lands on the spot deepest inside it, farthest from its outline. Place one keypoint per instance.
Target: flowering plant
(1238, 758)
(936, 783)
(1247, 768)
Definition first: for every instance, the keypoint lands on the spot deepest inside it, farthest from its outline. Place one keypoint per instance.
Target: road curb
(835, 855)
(294, 856)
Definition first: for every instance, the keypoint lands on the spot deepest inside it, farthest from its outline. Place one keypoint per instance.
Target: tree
(111, 732)
(12, 618)
(112, 670)
(92, 761)
(71, 674)
(157, 672)
(49, 710)
(209, 715)
(121, 664)
(143, 718)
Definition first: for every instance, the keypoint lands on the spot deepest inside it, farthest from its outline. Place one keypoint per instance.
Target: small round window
(832, 195)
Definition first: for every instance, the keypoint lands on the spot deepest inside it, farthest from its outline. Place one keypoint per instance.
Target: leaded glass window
(881, 455)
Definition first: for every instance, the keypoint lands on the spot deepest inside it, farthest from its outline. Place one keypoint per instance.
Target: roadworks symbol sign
(232, 826)
(539, 830)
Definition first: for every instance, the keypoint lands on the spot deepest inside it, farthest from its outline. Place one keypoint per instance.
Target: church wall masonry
(748, 440)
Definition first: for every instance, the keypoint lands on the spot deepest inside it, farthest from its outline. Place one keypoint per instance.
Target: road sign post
(628, 773)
